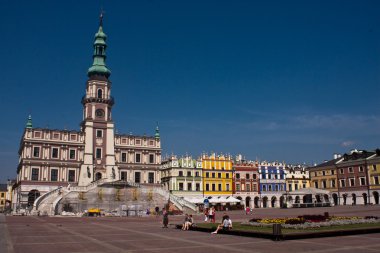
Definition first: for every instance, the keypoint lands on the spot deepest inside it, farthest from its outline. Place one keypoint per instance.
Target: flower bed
(312, 221)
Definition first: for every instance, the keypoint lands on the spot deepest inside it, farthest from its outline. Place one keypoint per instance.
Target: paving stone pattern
(145, 234)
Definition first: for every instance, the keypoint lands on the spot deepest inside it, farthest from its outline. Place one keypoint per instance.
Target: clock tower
(97, 124)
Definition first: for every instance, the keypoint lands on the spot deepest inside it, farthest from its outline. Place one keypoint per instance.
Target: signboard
(206, 202)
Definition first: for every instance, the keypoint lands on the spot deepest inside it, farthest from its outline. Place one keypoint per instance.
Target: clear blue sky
(292, 81)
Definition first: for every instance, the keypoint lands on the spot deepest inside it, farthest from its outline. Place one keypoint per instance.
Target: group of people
(210, 214)
(189, 221)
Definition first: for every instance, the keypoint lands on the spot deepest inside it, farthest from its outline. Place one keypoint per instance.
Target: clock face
(99, 113)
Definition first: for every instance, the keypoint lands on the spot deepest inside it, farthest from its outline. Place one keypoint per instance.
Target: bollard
(277, 232)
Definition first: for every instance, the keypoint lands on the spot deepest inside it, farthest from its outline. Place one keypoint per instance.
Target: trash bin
(277, 232)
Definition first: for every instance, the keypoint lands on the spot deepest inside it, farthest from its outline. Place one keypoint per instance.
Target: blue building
(272, 184)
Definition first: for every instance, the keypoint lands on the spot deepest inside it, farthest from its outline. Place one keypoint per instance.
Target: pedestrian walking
(165, 218)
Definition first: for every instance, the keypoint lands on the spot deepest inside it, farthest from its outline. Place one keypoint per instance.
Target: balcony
(92, 99)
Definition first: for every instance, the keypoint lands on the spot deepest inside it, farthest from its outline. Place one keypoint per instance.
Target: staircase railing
(38, 201)
(181, 202)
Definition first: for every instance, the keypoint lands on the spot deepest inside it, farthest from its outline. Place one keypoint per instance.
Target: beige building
(3, 194)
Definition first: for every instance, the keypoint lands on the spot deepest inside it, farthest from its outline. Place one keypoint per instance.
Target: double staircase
(47, 204)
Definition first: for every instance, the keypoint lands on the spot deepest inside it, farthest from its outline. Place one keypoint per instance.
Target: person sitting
(185, 221)
(189, 222)
(226, 225)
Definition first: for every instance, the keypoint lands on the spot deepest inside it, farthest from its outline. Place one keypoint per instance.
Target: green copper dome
(99, 63)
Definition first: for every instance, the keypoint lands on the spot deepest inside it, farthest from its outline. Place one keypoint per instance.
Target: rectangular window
(254, 176)
(207, 174)
(264, 187)
(237, 175)
(213, 187)
(227, 187)
(151, 177)
(296, 187)
(248, 188)
(324, 184)
(123, 175)
(237, 187)
(180, 173)
(303, 185)
(180, 186)
(219, 175)
(197, 187)
(227, 175)
(352, 181)
(151, 158)
(362, 181)
(189, 187)
(71, 175)
(124, 157)
(220, 187)
(315, 184)
(255, 187)
(270, 187)
(315, 174)
(98, 153)
(342, 183)
(247, 176)
(333, 183)
(54, 153)
(332, 172)
(54, 175)
(324, 173)
(207, 187)
(138, 158)
(264, 176)
(374, 167)
(290, 187)
(197, 174)
(213, 175)
(189, 173)
(376, 180)
(350, 170)
(36, 151)
(137, 177)
(341, 171)
(361, 169)
(35, 173)
(99, 133)
(72, 154)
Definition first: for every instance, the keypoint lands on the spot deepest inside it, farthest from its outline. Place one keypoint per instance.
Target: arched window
(100, 93)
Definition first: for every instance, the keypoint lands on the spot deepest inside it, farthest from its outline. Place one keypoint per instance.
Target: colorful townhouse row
(256, 184)
(351, 179)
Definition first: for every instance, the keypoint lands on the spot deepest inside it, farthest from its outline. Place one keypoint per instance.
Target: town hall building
(50, 158)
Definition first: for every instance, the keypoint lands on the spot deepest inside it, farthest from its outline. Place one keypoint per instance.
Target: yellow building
(324, 176)
(297, 177)
(373, 167)
(217, 174)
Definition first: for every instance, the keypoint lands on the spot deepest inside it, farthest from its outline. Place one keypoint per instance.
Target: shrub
(293, 221)
(371, 217)
(313, 218)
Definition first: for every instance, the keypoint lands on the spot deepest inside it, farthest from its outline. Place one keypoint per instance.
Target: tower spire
(29, 123)
(99, 57)
(157, 134)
